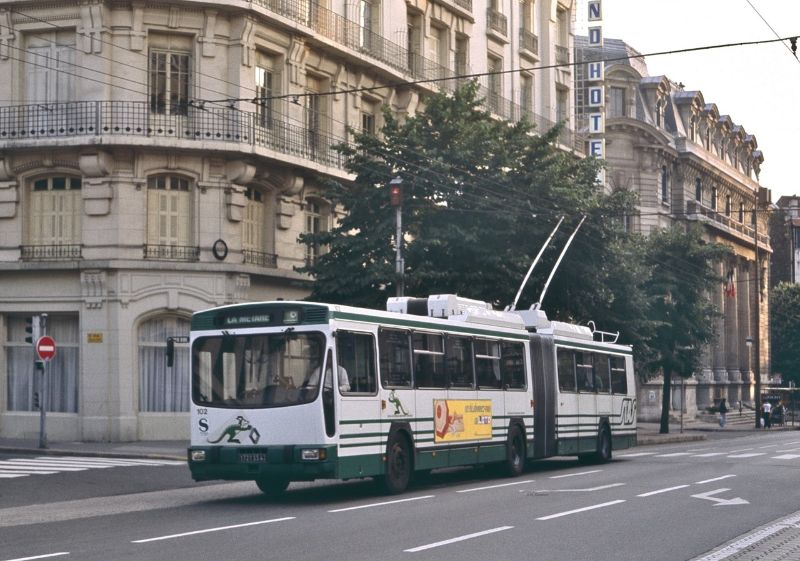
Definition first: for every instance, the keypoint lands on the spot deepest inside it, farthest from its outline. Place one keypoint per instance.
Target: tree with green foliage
(784, 313)
(480, 196)
(682, 277)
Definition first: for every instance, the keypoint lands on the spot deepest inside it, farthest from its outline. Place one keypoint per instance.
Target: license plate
(253, 457)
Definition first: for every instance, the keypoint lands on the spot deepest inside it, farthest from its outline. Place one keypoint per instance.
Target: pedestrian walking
(740, 407)
(723, 411)
(767, 407)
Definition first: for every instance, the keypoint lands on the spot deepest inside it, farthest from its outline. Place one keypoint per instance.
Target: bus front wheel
(398, 465)
(272, 487)
(515, 452)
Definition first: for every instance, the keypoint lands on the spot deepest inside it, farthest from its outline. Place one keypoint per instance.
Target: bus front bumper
(294, 463)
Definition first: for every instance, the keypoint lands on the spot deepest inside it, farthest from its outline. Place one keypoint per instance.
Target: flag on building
(730, 285)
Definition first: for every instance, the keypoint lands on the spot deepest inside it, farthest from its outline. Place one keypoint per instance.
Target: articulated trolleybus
(295, 391)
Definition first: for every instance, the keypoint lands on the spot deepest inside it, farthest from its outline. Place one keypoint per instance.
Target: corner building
(161, 158)
(688, 162)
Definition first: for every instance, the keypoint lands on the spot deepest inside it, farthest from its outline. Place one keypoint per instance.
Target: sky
(758, 86)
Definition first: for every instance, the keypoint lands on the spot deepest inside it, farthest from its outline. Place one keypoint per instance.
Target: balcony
(171, 252)
(699, 212)
(528, 42)
(495, 21)
(58, 252)
(562, 55)
(260, 258)
(91, 119)
(465, 4)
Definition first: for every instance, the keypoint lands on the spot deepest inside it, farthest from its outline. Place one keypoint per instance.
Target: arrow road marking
(709, 496)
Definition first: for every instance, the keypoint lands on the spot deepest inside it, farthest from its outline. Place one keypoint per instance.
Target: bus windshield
(257, 371)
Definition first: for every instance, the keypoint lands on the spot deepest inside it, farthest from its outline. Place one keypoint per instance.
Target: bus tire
(272, 487)
(515, 452)
(398, 465)
(603, 453)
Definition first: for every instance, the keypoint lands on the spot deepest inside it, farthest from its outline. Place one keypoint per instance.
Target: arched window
(169, 218)
(163, 388)
(54, 217)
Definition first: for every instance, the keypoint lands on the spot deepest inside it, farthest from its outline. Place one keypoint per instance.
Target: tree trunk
(666, 399)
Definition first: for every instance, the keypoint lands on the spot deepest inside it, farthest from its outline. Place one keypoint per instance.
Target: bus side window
(356, 358)
(601, 373)
(487, 364)
(458, 362)
(429, 360)
(619, 381)
(584, 370)
(512, 365)
(566, 370)
(395, 356)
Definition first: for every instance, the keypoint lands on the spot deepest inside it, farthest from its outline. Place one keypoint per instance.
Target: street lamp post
(757, 340)
(396, 199)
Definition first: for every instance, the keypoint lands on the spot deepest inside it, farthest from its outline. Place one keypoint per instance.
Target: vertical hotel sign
(595, 89)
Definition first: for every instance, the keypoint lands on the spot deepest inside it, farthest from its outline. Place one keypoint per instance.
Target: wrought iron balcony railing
(497, 21)
(275, 129)
(528, 41)
(172, 252)
(260, 258)
(56, 252)
(695, 210)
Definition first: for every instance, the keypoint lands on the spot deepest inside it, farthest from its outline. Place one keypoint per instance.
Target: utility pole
(396, 199)
(757, 338)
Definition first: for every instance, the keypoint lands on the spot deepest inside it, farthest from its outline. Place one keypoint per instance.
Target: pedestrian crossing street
(49, 465)
(783, 451)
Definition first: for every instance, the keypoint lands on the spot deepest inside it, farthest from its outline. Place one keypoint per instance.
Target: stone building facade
(158, 158)
(785, 237)
(688, 162)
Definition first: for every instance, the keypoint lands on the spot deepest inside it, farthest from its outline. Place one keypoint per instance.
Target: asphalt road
(668, 503)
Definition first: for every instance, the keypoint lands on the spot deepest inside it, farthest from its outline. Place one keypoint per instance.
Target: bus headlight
(198, 455)
(313, 454)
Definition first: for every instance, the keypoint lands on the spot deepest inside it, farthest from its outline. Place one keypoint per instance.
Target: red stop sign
(46, 347)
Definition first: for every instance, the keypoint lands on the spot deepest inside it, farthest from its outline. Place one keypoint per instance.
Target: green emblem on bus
(234, 429)
(398, 405)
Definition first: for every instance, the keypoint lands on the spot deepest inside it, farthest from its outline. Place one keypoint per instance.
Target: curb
(92, 453)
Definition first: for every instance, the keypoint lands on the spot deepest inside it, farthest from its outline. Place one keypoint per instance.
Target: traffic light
(396, 192)
(33, 326)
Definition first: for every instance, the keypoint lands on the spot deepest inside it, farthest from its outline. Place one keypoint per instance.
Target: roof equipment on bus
(612, 337)
(455, 308)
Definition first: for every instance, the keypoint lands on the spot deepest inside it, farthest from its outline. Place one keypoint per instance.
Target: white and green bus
(295, 391)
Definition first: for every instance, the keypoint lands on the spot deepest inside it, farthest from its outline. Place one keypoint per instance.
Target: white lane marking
(742, 450)
(567, 513)
(132, 461)
(635, 454)
(219, 529)
(574, 474)
(715, 479)
(12, 476)
(750, 455)
(495, 486)
(600, 488)
(39, 556)
(42, 466)
(709, 496)
(786, 457)
(667, 490)
(699, 449)
(768, 446)
(458, 539)
(26, 469)
(747, 541)
(382, 504)
(673, 455)
(55, 463)
(788, 450)
(709, 455)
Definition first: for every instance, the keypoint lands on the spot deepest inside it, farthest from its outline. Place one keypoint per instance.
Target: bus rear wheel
(272, 487)
(603, 453)
(398, 465)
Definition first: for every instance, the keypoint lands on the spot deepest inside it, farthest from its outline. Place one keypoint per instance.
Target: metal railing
(280, 132)
(695, 208)
(496, 21)
(50, 252)
(528, 41)
(260, 258)
(172, 252)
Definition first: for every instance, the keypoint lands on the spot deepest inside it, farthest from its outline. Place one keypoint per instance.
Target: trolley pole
(396, 199)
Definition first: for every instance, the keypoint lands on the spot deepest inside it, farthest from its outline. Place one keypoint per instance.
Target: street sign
(46, 347)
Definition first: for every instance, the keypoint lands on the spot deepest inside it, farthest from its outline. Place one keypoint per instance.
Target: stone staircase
(746, 417)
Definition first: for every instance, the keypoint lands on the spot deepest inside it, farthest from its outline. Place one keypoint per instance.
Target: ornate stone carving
(93, 288)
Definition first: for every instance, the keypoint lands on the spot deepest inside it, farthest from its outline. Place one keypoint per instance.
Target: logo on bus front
(233, 429)
(628, 411)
